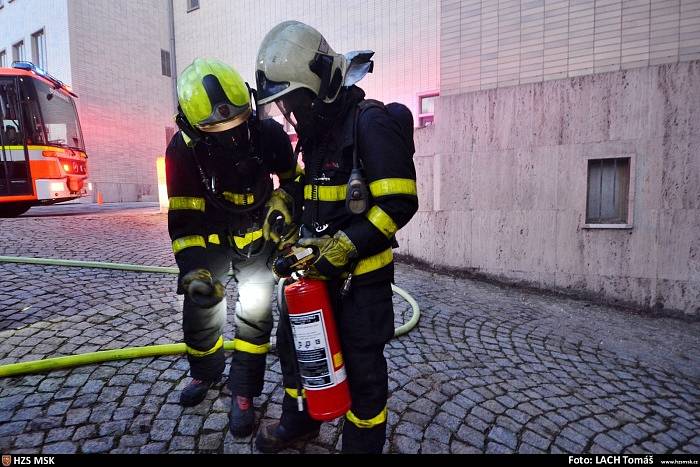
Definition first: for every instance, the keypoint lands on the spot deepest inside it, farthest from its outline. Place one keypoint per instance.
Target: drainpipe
(173, 61)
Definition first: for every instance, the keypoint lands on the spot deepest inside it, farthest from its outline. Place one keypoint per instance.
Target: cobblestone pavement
(488, 369)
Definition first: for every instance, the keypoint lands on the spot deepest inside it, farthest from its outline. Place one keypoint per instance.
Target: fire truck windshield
(55, 117)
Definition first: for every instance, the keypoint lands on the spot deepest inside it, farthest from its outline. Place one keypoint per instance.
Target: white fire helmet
(295, 65)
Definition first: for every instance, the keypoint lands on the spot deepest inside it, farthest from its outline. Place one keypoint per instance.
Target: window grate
(608, 191)
(165, 63)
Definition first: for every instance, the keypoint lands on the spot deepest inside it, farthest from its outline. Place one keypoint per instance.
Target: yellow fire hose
(69, 361)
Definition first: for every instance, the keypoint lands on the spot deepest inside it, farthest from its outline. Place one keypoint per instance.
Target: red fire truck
(42, 154)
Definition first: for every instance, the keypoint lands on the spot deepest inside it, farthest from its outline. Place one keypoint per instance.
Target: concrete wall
(404, 35)
(487, 44)
(502, 184)
(125, 102)
(20, 19)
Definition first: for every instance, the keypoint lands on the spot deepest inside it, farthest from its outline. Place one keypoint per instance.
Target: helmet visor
(295, 107)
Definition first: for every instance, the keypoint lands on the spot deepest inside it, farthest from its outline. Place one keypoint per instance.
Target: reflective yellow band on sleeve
(326, 193)
(250, 237)
(240, 199)
(177, 203)
(372, 263)
(370, 423)
(247, 347)
(292, 392)
(199, 353)
(382, 221)
(188, 242)
(393, 186)
(214, 238)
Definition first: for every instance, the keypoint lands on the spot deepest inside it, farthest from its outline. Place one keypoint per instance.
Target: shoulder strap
(361, 107)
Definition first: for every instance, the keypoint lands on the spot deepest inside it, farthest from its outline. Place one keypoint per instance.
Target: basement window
(608, 193)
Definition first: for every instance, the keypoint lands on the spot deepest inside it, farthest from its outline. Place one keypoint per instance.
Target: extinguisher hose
(400, 331)
(69, 361)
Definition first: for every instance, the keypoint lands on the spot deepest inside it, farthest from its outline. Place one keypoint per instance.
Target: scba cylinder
(317, 349)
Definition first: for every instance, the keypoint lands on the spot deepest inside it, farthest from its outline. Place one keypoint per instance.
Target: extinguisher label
(311, 346)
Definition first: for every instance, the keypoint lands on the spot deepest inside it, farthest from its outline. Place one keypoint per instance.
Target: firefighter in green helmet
(224, 214)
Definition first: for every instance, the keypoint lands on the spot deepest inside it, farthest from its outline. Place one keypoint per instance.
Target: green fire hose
(69, 361)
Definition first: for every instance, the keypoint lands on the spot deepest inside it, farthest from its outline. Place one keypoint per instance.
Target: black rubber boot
(242, 416)
(274, 437)
(195, 392)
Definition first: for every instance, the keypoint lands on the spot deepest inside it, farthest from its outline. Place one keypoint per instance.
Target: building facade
(562, 151)
(565, 153)
(403, 34)
(112, 55)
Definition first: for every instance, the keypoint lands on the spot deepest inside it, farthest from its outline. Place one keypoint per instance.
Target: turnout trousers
(365, 321)
(203, 327)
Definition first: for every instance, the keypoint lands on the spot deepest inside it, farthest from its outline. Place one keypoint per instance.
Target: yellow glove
(334, 255)
(278, 217)
(202, 288)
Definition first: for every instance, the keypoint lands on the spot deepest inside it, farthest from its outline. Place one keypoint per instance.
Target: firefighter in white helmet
(344, 138)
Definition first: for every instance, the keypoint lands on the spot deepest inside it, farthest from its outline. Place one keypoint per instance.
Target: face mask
(295, 107)
(238, 137)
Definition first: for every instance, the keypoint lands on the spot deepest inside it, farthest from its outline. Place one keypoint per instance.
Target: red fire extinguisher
(317, 347)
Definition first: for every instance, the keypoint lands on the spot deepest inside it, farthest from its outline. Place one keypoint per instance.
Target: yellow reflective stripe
(186, 202)
(372, 263)
(200, 353)
(382, 221)
(240, 199)
(247, 347)
(250, 237)
(188, 242)
(214, 238)
(327, 193)
(292, 392)
(372, 422)
(393, 186)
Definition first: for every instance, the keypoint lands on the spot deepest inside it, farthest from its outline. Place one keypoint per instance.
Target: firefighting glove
(334, 255)
(278, 223)
(202, 288)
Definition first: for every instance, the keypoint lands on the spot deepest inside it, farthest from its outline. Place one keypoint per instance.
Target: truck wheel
(14, 209)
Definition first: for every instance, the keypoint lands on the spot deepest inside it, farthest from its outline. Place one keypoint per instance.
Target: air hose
(69, 361)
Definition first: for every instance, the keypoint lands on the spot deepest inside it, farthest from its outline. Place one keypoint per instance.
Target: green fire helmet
(212, 96)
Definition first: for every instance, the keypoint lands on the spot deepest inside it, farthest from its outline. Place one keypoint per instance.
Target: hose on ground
(69, 361)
